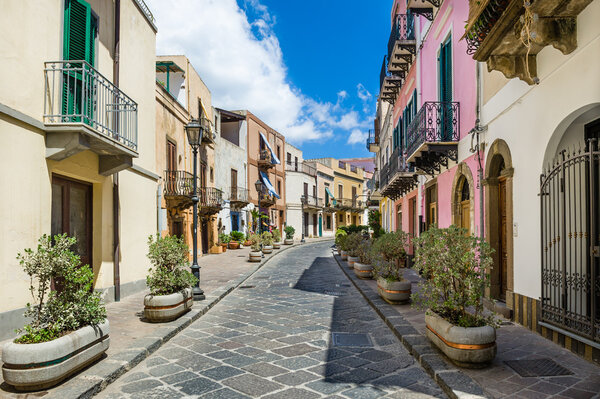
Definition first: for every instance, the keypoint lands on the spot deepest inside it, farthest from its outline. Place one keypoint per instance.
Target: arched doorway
(463, 204)
(499, 224)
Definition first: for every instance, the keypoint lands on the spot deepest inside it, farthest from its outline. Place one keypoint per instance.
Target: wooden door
(503, 250)
(354, 197)
(202, 185)
(465, 215)
(234, 184)
(72, 214)
(432, 213)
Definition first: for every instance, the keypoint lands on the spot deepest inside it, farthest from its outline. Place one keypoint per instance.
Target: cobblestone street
(272, 338)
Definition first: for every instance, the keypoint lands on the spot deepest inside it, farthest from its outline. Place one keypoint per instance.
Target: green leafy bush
(375, 222)
(170, 274)
(237, 236)
(267, 238)
(354, 228)
(276, 235)
(391, 246)
(365, 253)
(387, 270)
(456, 264)
(256, 241)
(352, 243)
(73, 305)
(224, 238)
(289, 232)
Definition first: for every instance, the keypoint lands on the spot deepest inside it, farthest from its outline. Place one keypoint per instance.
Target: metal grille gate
(570, 223)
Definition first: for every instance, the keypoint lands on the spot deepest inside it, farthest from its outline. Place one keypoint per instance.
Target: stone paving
(271, 338)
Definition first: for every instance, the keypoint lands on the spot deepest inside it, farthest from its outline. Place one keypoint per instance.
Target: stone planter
(29, 367)
(352, 260)
(472, 347)
(276, 245)
(395, 292)
(255, 256)
(224, 247)
(163, 308)
(363, 271)
(288, 241)
(344, 255)
(234, 245)
(267, 249)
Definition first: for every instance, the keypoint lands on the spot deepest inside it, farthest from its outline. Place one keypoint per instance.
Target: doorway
(314, 224)
(235, 221)
(204, 235)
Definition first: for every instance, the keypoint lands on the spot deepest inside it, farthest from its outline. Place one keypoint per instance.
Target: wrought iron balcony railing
(372, 142)
(76, 93)
(238, 194)
(267, 199)
(403, 29)
(481, 27)
(265, 158)
(312, 201)
(210, 197)
(301, 167)
(389, 82)
(178, 183)
(436, 122)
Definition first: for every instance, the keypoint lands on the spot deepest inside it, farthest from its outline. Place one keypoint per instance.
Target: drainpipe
(116, 216)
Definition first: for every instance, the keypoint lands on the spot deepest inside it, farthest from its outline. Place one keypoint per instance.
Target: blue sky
(310, 69)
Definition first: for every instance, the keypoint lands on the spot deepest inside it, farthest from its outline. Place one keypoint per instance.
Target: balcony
(301, 167)
(495, 27)
(402, 46)
(426, 8)
(178, 189)
(372, 142)
(210, 201)
(351, 205)
(265, 160)
(267, 200)
(401, 177)
(83, 110)
(432, 136)
(312, 202)
(238, 197)
(389, 82)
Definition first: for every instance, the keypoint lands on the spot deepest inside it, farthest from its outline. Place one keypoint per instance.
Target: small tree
(276, 235)
(267, 238)
(170, 273)
(289, 232)
(392, 246)
(365, 251)
(340, 235)
(236, 236)
(255, 242)
(375, 222)
(387, 270)
(456, 265)
(353, 243)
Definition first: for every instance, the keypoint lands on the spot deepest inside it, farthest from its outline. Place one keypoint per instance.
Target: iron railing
(75, 92)
(145, 9)
(436, 122)
(178, 183)
(312, 201)
(301, 167)
(384, 73)
(403, 29)
(372, 139)
(350, 203)
(484, 23)
(267, 198)
(210, 197)
(570, 250)
(384, 175)
(265, 156)
(238, 194)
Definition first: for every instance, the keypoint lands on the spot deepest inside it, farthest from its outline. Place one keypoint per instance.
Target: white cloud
(357, 137)
(241, 61)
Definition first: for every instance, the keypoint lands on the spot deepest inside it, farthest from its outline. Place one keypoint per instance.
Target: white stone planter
(30, 367)
(471, 347)
(267, 249)
(288, 241)
(163, 308)
(395, 292)
(255, 256)
(352, 260)
(276, 245)
(344, 255)
(363, 271)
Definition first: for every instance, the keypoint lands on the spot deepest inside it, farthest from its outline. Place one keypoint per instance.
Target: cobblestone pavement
(272, 338)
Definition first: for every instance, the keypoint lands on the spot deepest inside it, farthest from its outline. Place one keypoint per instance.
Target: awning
(267, 183)
(330, 195)
(276, 160)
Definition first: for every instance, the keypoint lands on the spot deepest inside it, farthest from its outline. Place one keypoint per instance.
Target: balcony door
(234, 184)
(445, 89)
(171, 167)
(72, 214)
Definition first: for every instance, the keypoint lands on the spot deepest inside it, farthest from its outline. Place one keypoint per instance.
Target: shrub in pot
(352, 244)
(267, 242)
(255, 254)
(392, 247)
(364, 267)
(169, 279)
(224, 241)
(339, 237)
(68, 328)
(455, 264)
(236, 238)
(276, 238)
(289, 235)
(391, 285)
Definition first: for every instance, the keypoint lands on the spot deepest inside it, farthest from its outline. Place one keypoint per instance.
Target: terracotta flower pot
(394, 292)
(363, 271)
(472, 347)
(224, 247)
(352, 260)
(255, 256)
(163, 308)
(247, 243)
(234, 245)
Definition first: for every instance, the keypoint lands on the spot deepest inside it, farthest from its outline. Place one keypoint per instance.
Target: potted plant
(224, 241)
(352, 244)
(276, 238)
(340, 235)
(247, 243)
(68, 329)
(389, 252)
(255, 250)
(456, 265)
(236, 238)
(267, 242)
(364, 268)
(169, 280)
(289, 235)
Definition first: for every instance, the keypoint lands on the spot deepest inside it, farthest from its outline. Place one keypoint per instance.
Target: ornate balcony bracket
(436, 158)
(426, 12)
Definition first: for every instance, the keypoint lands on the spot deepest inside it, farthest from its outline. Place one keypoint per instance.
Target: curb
(453, 382)
(98, 376)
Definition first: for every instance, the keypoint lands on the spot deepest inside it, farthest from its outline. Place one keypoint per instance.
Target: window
(289, 158)
(445, 89)
(340, 191)
(278, 151)
(171, 156)
(305, 190)
(212, 175)
(315, 191)
(341, 218)
(328, 222)
(279, 187)
(399, 217)
(296, 163)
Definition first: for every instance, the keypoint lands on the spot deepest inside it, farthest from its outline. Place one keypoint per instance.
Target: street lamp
(194, 131)
(259, 189)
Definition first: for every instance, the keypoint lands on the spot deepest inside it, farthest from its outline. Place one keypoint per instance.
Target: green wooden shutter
(445, 67)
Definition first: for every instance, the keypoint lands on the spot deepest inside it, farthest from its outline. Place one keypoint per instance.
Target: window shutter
(79, 31)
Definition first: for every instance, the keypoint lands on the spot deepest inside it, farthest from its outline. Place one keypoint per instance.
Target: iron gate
(570, 222)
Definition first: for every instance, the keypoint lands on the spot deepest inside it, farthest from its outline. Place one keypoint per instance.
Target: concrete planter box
(395, 292)
(255, 256)
(29, 367)
(471, 347)
(344, 255)
(163, 308)
(363, 271)
(288, 241)
(352, 260)
(276, 245)
(267, 249)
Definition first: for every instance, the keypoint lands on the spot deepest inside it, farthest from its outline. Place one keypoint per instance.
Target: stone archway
(499, 220)
(462, 177)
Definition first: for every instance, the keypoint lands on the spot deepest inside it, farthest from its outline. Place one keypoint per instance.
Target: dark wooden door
(234, 184)
(503, 252)
(314, 225)
(171, 156)
(72, 214)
